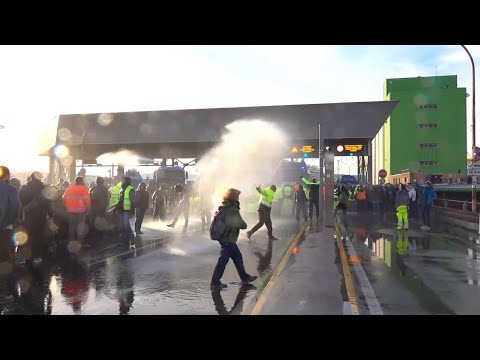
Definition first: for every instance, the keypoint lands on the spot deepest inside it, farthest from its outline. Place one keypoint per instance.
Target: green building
(426, 132)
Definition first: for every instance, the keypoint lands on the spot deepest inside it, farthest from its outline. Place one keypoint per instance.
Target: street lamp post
(474, 185)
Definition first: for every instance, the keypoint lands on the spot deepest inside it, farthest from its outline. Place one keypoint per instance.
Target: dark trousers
(301, 208)
(413, 210)
(76, 226)
(7, 259)
(362, 205)
(426, 214)
(185, 215)
(264, 218)
(311, 203)
(159, 212)
(229, 250)
(35, 224)
(96, 223)
(139, 220)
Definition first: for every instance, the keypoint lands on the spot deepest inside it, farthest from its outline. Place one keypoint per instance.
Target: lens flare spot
(74, 247)
(20, 238)
(66, 161)
(61, 151)
(64, 134)
(105, 119)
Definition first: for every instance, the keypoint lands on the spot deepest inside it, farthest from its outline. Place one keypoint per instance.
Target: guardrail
(463, 205)
(458, 214)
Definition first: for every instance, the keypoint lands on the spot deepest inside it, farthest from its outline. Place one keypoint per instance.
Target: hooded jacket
(234, 221)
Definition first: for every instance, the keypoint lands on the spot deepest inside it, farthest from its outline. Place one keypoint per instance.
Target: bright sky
(37, 83)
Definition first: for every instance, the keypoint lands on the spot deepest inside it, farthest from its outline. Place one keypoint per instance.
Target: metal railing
(463, 205)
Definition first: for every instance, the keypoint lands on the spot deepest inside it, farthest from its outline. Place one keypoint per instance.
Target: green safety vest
(278, 194)
(127, 204)
(267, 197)
(357, 189)
(307, 189)
(287, 191)
(114, 194)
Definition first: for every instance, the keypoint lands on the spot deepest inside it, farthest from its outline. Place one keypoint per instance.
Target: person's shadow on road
(237, 307)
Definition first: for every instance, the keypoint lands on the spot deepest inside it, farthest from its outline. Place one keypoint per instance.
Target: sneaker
(218, 287)
(37, 260)
(139, 232)
(5, 299)
(249, 235)
(171, 225)
(273, 238)
(423, 227)
(250, 279)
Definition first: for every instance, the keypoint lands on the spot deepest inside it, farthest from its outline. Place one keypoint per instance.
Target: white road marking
(372, 301)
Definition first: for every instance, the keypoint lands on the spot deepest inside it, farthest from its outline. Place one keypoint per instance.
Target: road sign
(382, 174)
(473, 171)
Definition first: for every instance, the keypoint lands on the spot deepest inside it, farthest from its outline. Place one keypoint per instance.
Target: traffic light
(305, 155)
(351, 154)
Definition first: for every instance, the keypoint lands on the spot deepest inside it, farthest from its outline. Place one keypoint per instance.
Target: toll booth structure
(168, 134)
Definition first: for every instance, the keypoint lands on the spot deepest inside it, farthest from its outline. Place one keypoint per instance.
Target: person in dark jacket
(342, 205)
(9, 212)
(234, 222)
(159, 199)
(142, 206)
(183, 206)
(428, 197)
(314, 197)
(300, 200)
(100, 197)
(36, 207)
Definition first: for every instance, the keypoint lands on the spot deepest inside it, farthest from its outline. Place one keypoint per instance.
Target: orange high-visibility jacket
(76, 199)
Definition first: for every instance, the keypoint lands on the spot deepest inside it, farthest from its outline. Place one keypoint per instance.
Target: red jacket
(76, 199)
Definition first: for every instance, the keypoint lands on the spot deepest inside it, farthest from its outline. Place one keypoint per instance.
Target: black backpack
(218, 226)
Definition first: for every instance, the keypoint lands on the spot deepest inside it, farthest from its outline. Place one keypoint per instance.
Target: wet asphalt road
(439, 274)
(169, 273)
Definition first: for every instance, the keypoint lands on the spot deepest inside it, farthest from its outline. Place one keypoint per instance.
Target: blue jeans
(126, 228)
(229, 250)
(426, 214)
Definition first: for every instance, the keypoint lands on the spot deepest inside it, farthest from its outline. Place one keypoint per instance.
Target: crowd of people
(38, 216)
(412, 202)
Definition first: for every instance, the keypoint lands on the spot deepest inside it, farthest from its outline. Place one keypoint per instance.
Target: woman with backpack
(228, 215)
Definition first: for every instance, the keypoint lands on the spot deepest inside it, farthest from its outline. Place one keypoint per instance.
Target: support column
(329, 178)
(52, 171)
(72, 172)
(320, 180)
(370, 164)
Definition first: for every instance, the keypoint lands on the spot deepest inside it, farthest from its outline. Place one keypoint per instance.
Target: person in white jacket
(413, 204)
